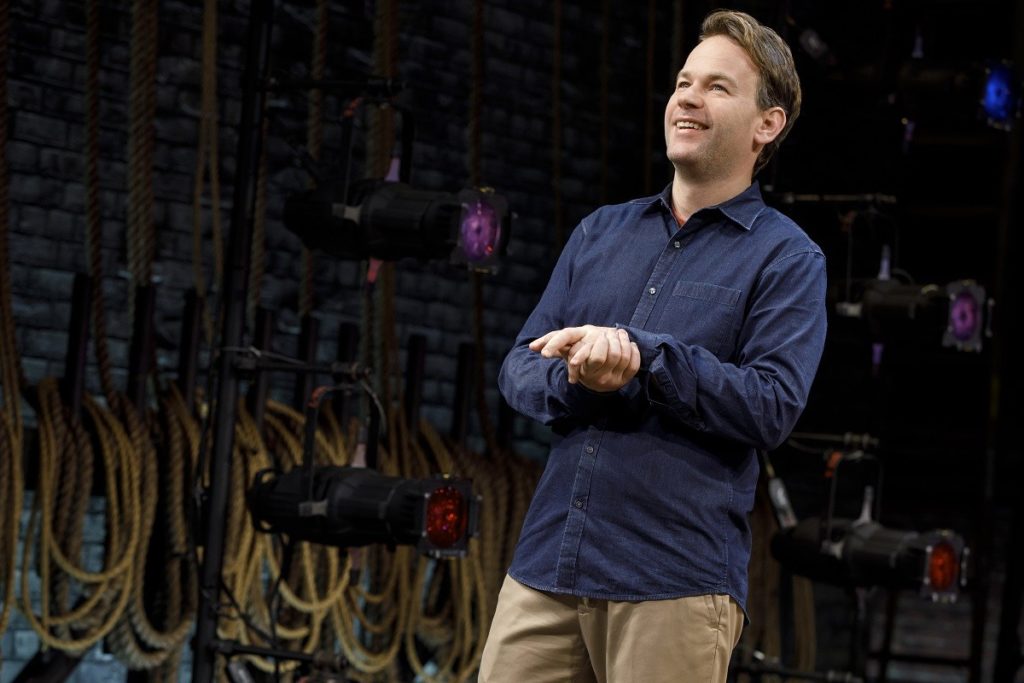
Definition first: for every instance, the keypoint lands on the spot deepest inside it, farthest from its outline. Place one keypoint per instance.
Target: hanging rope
(207, 159)
(93, 219)
(11, 431)
(104, 594)
(136, 640)
(142, 109)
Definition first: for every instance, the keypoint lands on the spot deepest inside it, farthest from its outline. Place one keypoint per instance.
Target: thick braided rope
(10, 364)
(135, 640)
(11, 430)
(181, 587)
(93, 223)
(73, 478)
(99, 611)
(12, 490)
(142, 108)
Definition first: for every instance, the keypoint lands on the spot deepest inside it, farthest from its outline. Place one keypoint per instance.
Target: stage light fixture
(958, 314)
(1001, 96)
(862, 552)
(390, 221)
(351, 506)
(865, 553)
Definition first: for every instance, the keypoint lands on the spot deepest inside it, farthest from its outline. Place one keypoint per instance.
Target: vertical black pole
(415, 369)
(78, 344)
(141, 351)
(235, 282)
(256, 401)
(305, 382)
(463, 392)
(188, 358)
(348, 351)
(1005, 413)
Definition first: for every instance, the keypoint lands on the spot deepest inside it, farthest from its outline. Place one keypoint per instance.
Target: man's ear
(772, 121)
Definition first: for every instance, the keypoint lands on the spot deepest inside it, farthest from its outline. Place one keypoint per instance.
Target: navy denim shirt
(647, 490)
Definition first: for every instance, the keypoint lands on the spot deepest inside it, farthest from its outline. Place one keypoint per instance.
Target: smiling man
(677, 335)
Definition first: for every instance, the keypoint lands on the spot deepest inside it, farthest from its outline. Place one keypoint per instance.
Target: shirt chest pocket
(702, 314)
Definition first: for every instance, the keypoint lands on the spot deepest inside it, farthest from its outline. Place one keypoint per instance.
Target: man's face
(712, 118)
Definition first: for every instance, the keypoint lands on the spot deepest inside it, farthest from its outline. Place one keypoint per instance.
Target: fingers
(539, 343)
(602, 358)
(625, 352)
(612, 378)
(557, 342)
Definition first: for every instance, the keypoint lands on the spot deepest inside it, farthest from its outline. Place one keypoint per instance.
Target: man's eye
(683, 84)
(718, 86)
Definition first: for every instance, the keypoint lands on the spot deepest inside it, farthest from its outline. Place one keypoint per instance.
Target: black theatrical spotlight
(391, 221)
(352, 506)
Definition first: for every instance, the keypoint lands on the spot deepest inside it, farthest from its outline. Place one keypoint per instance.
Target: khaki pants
(539, 637)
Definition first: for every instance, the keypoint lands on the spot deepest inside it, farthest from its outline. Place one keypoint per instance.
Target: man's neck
(690, 195)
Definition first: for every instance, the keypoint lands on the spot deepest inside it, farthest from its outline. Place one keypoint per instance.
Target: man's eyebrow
(711, 77)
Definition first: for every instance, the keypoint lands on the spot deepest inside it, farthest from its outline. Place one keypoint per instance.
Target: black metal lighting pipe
(415, 371)
(143, 344)
(1005, 415)
(256, 401)
(72, 386)
(188, 359)
(463, 392)
(234, 291)
(308, 337)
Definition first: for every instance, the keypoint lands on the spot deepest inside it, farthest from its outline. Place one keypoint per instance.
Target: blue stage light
(1001, 98)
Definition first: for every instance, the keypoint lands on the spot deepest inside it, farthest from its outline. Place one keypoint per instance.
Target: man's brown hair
(778, 84)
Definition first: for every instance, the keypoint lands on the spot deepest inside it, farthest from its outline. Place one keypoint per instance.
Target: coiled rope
(104, 594)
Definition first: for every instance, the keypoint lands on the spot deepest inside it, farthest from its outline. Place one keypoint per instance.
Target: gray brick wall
(45, 154)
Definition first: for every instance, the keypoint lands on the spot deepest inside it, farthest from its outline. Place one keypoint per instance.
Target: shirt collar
(742, 209)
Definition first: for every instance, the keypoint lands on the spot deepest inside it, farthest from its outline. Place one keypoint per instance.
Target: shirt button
(652, 290)
(677, 244)
(590, 449)
(578, 502)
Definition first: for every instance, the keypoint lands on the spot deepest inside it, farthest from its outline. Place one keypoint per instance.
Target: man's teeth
(689, 124)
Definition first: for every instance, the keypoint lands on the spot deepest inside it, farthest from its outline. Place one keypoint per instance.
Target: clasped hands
(600, 358)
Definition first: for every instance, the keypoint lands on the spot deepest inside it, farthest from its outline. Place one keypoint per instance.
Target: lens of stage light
(998, 93)
(447, 516)
(479, 231)
(942, 566)
(964, 316)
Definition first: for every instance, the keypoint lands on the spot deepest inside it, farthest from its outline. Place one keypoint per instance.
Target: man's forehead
(720, 55)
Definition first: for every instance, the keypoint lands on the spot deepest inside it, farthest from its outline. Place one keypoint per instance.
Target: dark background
(890, 119)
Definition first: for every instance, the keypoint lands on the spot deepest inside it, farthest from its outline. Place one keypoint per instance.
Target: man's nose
(688, 98)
